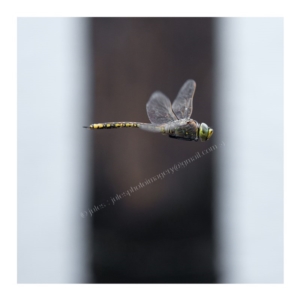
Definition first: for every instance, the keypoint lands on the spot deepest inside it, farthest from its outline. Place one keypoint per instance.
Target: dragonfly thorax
(186, 129)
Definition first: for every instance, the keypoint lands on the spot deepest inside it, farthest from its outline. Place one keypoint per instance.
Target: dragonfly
(169, 119)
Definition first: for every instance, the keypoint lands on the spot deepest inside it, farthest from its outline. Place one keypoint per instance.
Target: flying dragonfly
(173, 120)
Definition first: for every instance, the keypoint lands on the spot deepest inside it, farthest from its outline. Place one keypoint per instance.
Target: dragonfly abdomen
(110, 125)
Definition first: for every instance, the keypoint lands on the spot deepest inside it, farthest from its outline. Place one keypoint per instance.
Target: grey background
(56, 170)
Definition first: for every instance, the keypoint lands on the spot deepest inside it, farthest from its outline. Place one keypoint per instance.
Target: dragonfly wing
(159, 109)
(183, 104)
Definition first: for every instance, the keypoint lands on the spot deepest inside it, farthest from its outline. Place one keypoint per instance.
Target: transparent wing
(183, 104)
(159, 109)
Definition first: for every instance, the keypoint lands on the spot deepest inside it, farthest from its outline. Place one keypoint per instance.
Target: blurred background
(219, 220)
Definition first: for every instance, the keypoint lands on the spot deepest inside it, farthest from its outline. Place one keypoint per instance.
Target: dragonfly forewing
(183, 104)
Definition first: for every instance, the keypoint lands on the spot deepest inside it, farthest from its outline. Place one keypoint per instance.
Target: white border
(11, 10)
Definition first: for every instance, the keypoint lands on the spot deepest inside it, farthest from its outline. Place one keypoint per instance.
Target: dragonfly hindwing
(159, 109)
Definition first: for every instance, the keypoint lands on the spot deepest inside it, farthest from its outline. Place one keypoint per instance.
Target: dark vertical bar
(162, 232)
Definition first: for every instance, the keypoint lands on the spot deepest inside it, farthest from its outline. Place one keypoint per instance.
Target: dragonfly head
(204, 132)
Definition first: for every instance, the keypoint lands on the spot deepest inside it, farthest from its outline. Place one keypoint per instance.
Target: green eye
(203, 132)
(210, 133)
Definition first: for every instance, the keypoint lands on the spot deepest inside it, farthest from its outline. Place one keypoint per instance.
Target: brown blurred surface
(162, 233)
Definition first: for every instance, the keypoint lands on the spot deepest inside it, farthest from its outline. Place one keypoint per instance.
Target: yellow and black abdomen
(143, 126)
(110, 125)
